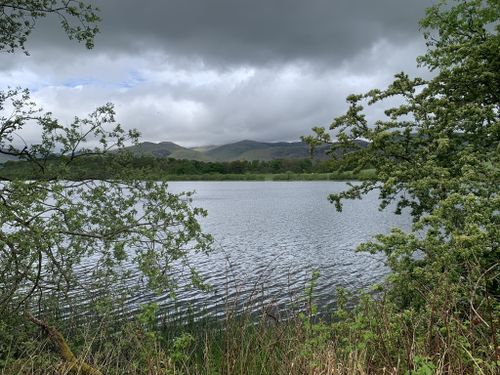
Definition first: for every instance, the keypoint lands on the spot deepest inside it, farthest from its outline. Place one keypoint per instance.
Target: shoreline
(345, 176)
(363, 175)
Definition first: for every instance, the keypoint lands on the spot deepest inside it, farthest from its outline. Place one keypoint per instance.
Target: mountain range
(243, 150)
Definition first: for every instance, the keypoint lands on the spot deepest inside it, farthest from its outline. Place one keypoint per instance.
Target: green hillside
(189, 154)
(283, 150)
(161, 150)
(204, 148)
(243, 150)
(234, 151)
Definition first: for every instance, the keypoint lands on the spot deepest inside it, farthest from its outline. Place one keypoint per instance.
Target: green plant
(436, 156)
(50, 226)
(18, 18)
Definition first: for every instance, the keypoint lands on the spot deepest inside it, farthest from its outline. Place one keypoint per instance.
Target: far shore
(368, 174)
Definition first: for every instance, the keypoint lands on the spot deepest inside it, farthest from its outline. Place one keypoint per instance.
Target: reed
(373, 337)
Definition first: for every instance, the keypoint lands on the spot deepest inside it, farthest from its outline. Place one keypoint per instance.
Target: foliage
(114, 165)
(437, 154)
(57, 236)
(60, 238)
(374, 337)
(18, 18)
(89, 166)
(49, 227)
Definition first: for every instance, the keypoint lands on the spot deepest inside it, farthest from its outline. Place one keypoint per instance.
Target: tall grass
(374, 337)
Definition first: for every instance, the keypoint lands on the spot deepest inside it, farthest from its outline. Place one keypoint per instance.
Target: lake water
(271, 236)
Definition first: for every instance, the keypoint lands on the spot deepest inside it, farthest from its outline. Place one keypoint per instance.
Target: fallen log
(75, 365)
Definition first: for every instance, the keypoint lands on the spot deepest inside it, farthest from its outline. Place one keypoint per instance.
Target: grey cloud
(225, 32)
(213, 71)
(201, 106)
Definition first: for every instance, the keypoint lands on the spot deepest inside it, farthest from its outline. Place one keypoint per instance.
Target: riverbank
(367, 174)
(376, 337)
(113, 167)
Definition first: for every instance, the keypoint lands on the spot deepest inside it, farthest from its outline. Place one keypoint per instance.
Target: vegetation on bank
(373, 337)
(114, 166)
(367, 174)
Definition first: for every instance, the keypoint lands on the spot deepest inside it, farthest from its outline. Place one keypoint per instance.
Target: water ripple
(270, 237)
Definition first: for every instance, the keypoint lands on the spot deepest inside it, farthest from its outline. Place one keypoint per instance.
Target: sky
(206, 72)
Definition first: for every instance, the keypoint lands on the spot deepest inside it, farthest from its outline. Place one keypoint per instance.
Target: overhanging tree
(437, 154)
(18, 18)
(48, 226)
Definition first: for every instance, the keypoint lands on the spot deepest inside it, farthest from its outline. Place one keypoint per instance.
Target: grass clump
(374, 337)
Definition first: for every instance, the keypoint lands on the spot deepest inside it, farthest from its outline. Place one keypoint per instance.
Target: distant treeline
(126, 165)
(183, 167)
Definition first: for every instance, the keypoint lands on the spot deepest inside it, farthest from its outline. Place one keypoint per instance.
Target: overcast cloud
(200, 72)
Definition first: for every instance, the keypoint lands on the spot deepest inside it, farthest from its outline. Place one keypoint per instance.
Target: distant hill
(252, 150)
(189, 154)
(243, 150)
(161, 150)
(204, 148)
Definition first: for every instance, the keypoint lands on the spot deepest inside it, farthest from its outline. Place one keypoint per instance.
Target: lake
(271, 236)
